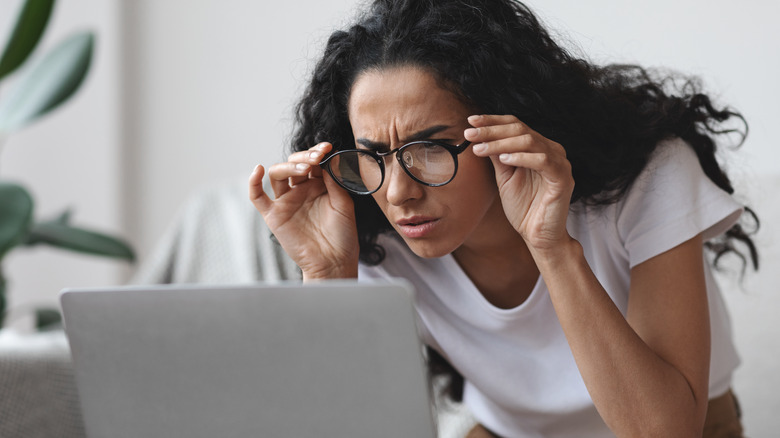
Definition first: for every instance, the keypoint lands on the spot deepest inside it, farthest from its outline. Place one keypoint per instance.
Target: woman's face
(395, 106)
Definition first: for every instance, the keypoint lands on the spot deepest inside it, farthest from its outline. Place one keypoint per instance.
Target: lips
(417, 226)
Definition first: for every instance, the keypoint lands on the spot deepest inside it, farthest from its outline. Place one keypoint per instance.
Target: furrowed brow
(372, 145)
(426, 133)
(417, 136)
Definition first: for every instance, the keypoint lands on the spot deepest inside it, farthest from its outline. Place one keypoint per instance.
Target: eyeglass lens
(357, 171)
(429, 163)
(362, 173)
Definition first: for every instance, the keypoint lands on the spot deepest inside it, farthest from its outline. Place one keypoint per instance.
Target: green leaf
(76, 239)
(28, 30)
(63, 218)
(48, 83)
(16, 211)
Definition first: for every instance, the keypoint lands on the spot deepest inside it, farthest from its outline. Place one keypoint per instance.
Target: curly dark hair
(497, 57)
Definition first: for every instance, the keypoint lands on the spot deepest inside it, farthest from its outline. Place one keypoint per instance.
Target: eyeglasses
(362, 171)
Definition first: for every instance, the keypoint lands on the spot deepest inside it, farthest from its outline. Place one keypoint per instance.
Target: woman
(552, 215)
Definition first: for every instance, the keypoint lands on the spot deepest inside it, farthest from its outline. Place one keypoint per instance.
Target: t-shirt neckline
(474, 294)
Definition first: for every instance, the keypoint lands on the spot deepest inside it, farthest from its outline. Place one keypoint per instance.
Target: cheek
(474, 187)
(478, 174)
(483, 181)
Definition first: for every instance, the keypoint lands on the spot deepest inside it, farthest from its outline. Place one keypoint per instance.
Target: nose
(399, 186)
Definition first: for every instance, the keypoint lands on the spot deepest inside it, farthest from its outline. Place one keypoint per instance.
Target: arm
(647, 373)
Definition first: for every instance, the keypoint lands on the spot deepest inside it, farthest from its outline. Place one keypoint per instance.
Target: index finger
(479, 120)
(488, 128)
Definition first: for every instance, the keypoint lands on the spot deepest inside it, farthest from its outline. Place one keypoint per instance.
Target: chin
(429, 250)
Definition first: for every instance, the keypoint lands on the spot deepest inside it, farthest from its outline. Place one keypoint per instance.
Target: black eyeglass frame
(379, 157)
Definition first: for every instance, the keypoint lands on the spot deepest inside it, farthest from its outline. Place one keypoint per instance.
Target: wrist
(334, 273)
(555, 256)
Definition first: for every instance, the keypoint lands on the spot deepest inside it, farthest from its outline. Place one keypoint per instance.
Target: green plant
(39, 89)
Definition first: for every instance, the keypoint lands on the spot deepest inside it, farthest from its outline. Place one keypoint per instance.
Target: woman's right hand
(311, 216)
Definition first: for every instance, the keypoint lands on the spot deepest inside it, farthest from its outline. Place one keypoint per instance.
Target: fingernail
(301, 166)
(474, 118)
(503, 157)
(479, 148)
(471, 132)
(314, 154)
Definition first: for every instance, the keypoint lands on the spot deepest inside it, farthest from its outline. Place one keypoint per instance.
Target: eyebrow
(417, 136)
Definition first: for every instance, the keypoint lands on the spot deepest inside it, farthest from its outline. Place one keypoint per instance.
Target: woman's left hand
(533, 175)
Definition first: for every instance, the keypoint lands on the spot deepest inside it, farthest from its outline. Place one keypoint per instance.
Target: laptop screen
(332, 359)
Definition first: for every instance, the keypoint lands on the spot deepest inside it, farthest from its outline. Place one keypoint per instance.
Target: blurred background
(186, 94)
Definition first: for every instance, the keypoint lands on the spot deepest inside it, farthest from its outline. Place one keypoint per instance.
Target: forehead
(401, 100)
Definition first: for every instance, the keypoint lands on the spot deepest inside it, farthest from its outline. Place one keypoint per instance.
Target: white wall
(69, 158)
(733, 47)
(209, 91)
(185, 93)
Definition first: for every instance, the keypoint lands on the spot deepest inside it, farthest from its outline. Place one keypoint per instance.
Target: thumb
(503, 171)
(339, 196)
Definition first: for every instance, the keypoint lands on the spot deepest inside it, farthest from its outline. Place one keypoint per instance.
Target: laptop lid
(332, 359)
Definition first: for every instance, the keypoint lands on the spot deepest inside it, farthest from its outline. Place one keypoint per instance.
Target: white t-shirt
(521, 378)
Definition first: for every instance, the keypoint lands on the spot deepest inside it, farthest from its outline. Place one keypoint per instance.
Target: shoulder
(671, 201)
(672, 161)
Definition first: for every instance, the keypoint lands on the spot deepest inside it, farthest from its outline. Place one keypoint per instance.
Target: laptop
(332, 359)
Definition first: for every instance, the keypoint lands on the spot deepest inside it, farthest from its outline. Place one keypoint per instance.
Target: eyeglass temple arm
(461, 147)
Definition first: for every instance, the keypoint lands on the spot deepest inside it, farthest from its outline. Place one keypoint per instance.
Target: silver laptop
(334, 359)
